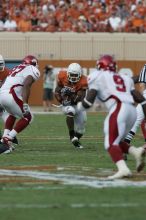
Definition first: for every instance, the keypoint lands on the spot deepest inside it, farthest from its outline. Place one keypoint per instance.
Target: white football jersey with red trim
(17, 77)
(111, 87)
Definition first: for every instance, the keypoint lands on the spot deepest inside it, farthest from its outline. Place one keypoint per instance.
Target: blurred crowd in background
(73, 15)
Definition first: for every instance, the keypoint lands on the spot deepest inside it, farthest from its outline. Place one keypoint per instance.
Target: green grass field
(46, 178)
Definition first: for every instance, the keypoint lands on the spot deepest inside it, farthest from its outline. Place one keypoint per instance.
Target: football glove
(26, 109)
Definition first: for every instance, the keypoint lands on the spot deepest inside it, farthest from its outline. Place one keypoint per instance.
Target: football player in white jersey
(117, 93)
(4, 72)
(14, 96)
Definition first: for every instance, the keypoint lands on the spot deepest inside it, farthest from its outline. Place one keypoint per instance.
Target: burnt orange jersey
(63, 81)
(4, 74)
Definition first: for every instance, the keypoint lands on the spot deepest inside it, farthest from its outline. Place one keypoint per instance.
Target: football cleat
(140, 159)
(5, 149)
(7, 141)
(76, 143)
(124, 173)
(139, 155)
(15, 141)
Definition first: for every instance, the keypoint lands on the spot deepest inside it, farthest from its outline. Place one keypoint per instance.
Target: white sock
(12, 133)
(121, 165)
(6, 132)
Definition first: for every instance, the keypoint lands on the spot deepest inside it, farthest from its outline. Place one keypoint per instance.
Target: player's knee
(69, 110)
(70, 114)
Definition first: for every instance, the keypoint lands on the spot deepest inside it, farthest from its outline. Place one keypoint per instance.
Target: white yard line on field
(31, 186)
(70, 179)
(72, 205)
(47, 113)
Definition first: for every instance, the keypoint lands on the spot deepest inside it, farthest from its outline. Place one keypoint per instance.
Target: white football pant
(11, 106)
(118, 123)
(80, 118)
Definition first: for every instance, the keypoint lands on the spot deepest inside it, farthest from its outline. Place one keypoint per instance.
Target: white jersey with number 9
(111, 87)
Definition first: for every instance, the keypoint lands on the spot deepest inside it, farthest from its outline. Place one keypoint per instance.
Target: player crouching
(71, 88)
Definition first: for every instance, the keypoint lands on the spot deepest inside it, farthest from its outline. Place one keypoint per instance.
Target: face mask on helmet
(30, 60)
(106, 62)
(74, 72)
(2, 63)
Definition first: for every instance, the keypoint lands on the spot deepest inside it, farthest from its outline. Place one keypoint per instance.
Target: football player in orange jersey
(71, 88)
(4, 71)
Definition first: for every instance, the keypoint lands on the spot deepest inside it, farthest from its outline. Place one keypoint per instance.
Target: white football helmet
(74, 72)
(2, 63)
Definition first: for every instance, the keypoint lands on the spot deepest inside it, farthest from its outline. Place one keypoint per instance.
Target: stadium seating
(73, 16)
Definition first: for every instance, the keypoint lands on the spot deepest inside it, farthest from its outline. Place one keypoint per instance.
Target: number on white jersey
(120, 85)
(16, 70)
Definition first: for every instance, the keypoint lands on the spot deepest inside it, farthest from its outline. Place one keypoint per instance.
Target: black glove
(67, 94)
(66, 91)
